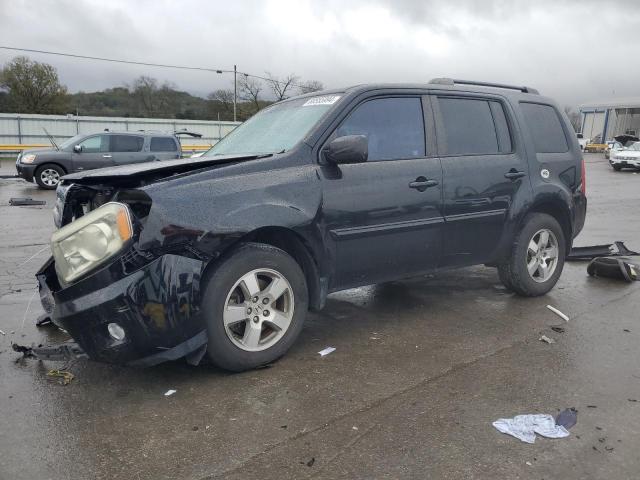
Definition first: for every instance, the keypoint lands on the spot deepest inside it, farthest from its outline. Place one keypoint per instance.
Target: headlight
(28, 158)
(91, 240)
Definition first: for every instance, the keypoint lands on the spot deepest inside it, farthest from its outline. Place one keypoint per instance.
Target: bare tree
(144, 90)
(154, 99)
(280, 86)
(574, 118)
(250, 89)
(33, 87)
(224, 97)
(311, 86)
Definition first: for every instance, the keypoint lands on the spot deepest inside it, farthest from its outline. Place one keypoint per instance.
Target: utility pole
(235, 91)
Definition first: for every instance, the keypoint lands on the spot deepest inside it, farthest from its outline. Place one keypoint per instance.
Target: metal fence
(20, 131)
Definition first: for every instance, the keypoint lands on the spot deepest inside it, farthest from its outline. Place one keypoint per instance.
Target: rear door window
(163, 144)
(545, 127)
(474, 126)
(394, 127)
(126, 143)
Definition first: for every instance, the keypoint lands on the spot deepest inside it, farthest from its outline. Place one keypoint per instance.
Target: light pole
(235, 91)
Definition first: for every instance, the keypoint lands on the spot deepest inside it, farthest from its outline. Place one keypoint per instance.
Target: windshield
(275, 129)
(70, 142)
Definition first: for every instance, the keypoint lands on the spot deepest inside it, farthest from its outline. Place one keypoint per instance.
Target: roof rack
(454, 81)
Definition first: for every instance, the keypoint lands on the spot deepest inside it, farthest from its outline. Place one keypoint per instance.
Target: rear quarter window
(545, 126)
(163, 144)
(126, 143)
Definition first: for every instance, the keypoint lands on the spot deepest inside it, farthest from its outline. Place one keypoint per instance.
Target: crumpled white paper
(525, 427)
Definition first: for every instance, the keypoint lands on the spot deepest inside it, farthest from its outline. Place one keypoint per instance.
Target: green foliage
(32, 87)
(146, 98)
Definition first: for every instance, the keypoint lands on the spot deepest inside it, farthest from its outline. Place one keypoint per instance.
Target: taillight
(583, 179)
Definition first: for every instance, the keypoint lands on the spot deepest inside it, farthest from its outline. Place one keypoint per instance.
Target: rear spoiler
(188, 133)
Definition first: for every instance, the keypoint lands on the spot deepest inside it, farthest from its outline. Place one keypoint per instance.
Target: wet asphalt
(421, 369)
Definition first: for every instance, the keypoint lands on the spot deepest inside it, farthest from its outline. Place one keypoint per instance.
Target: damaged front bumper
(156, 308)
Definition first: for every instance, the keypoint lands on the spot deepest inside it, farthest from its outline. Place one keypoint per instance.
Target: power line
(146, 64)
(113, 60)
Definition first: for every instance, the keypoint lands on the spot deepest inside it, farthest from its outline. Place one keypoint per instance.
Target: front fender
(208, 212)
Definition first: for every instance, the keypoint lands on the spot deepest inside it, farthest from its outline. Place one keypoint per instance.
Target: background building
(610, 118)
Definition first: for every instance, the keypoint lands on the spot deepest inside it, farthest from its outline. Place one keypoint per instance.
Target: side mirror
(77, 148)
(347, 149)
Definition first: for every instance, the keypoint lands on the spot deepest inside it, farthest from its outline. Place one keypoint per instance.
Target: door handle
(514, 174)
(106, 156)
(422, 183)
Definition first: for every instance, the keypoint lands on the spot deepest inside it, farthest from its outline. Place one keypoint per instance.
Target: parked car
(224, 255)
(581, 140)
(626, 157)
(97, 150)
(611, 146)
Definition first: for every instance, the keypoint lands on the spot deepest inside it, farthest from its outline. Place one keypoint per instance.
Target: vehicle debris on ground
(546, 339)
(615, 249)
(327, 351)
(567, 418)
(558, 312)
(22, 202)
(619, 268)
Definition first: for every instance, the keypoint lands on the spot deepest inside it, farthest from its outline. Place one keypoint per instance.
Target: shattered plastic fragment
(558, 312)
(546, 339)
(567, 418)
(168, 393)
(327, 351)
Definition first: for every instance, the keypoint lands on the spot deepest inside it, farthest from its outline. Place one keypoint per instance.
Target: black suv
(225, 254)
(96, 150)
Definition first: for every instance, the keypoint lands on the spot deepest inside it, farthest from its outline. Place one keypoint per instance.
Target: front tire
(48, 176)
(254, 304)
(536, 258)
(617, 168)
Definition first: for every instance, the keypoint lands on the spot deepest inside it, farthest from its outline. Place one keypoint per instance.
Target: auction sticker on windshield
(323, 100)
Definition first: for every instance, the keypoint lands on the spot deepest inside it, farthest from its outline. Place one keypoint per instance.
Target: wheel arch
(557, 209)
(57, 164)
(293, 244)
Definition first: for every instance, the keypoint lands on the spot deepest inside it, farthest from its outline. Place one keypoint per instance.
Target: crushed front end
(121, 304)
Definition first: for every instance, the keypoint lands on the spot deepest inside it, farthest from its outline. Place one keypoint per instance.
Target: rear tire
(254, 304)
(48, 176)
(537, 257)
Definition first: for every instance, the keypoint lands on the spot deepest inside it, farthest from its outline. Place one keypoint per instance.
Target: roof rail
(454, 81)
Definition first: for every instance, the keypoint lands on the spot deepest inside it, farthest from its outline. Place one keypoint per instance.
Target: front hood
(41, 151)
(156, 170)
(627, 153)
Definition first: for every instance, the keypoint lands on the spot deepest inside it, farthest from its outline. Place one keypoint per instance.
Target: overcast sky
(574, 51)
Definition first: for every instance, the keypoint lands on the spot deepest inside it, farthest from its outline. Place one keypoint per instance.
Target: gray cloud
(573, 50)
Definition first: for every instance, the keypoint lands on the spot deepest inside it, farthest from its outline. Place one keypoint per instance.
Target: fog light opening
(116, 332)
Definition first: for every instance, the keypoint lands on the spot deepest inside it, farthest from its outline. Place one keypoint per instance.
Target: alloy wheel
(542, 255)
(258, 310)
(50, 177)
